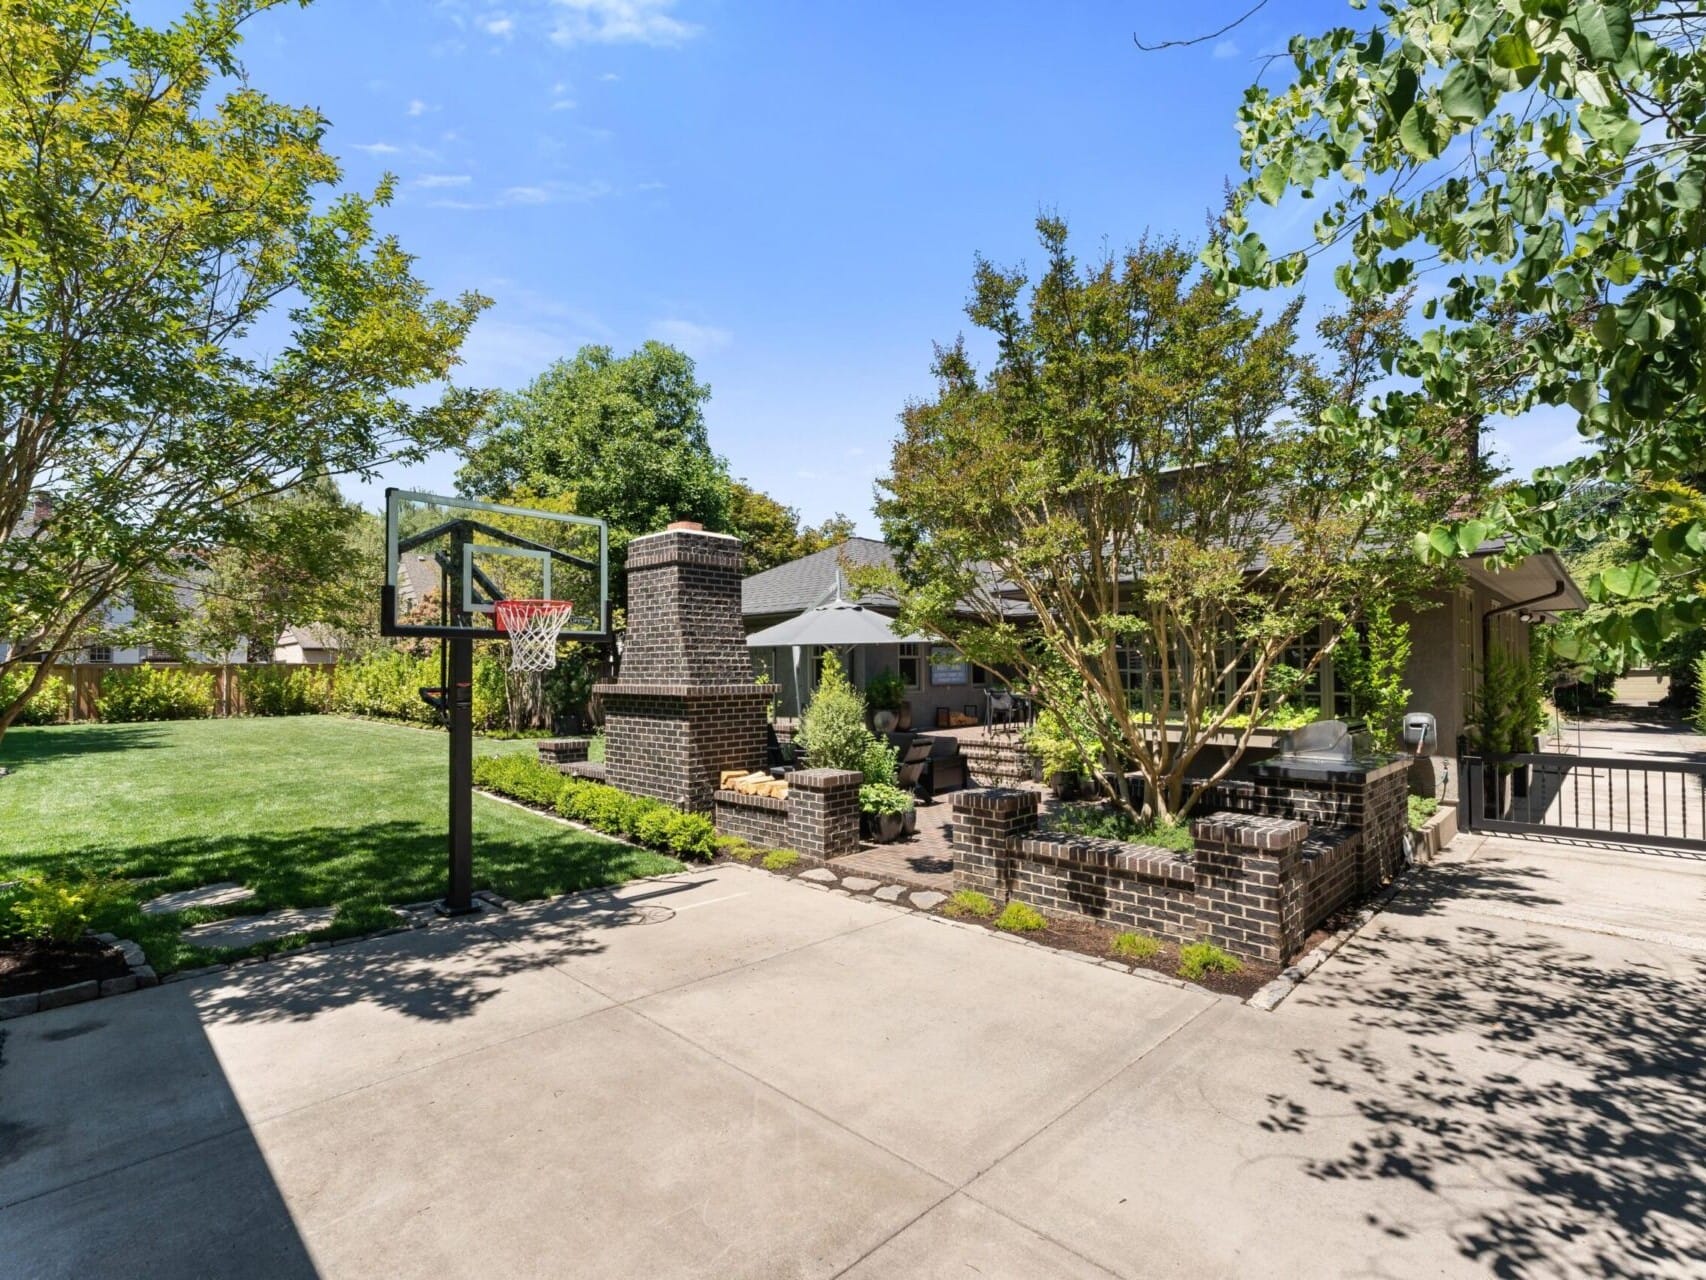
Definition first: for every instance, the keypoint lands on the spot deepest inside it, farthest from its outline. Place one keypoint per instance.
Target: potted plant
(885, 807)
(886, 692)
(1061, 760)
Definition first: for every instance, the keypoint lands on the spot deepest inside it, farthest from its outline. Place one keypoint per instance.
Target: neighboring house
(1449, 634)
(314, 643)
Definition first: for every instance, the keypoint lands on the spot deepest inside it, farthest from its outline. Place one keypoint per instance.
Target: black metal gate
(1651, 802)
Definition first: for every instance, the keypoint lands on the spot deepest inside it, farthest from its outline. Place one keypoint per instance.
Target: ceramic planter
(885, 720)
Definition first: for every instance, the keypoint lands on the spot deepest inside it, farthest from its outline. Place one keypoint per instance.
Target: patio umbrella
(836, 624)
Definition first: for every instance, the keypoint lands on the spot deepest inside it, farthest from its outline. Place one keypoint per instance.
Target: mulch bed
(1090, 938)
(1087, 937)
(28, 966)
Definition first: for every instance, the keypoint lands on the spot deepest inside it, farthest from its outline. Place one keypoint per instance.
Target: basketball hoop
(532, 627)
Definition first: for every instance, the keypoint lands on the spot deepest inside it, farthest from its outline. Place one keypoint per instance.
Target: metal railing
(1613, 799)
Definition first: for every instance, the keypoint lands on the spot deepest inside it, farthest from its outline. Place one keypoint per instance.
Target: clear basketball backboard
(448, 561)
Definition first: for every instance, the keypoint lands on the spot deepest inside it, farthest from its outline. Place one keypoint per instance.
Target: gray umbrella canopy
(840, 622)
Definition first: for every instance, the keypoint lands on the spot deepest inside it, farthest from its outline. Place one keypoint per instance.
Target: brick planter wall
(1254, 885)
(563, 751)
(762, 820)
(683, 707)
(823, 811)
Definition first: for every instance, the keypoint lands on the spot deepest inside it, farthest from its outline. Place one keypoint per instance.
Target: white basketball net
(532, 627)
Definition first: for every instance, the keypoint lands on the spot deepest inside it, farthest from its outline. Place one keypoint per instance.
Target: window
(1298, 656)
(909, 665)
(100, 653)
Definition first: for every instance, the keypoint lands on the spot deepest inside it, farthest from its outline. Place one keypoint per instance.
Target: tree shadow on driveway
(1484, 1058)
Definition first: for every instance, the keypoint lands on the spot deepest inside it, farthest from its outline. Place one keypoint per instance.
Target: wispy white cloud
(560, 99)
(377, 148)
(693, 338)
(610, 77)
(534, 194)
(500, 25)
(439, 180)
(620, 22)
(1226, 49)
(418, 107)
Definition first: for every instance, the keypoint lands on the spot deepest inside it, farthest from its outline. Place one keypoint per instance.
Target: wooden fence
(86, 679)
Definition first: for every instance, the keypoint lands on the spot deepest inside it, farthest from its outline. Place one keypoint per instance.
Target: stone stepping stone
(860, 884)
(222, 894)
(819, 873)
(889, 893)
(924, 899)
(245, 931)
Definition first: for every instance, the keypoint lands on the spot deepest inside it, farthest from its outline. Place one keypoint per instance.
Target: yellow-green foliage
(1134, 946)
(284, 691)
(38, 906)
(969, 902)
(605, 808)
(51, 703)
(1198, 959)
(781, 860)
(1018, 917)
(155, 693)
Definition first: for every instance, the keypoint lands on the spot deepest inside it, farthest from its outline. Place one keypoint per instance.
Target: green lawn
(307, 811)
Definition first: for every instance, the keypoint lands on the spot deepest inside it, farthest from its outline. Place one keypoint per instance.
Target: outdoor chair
(1000, 709)
(780, 758)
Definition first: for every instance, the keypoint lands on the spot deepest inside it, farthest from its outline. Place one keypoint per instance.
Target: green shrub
(690, 835)
(884, 797)
(490, 693)
(1700, 687)
(1018, 917)
(522, 778)
(885, 691)
(781, 860)
(738, 849)
(1198, 959)
(387, 684)
(155, 693)
(284, 691)
(880, 764)
(1421, 809)
(51, 703)
(1134, 946)
(652, 827)
(832, 730)
(57, 909)
(968, 902)
(1110, 824)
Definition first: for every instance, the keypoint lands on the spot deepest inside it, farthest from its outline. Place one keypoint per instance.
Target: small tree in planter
(833, 730)
(886, 691)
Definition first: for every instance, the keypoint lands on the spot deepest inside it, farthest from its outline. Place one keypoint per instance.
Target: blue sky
(792, 193)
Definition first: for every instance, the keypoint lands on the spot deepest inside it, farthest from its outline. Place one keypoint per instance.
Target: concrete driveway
(726, 1074)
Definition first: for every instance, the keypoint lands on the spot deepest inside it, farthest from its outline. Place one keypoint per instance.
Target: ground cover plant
(1017, 917)
(307, 811)
(1421, 809)
(1108, 823)
(969, 902)
(1199, 959)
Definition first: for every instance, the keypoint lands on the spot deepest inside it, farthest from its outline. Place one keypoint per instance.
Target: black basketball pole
(459, 694)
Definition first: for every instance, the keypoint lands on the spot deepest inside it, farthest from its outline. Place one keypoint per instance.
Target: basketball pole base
(459, 897)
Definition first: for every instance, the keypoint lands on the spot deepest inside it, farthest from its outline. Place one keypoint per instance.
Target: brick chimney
(683, 707)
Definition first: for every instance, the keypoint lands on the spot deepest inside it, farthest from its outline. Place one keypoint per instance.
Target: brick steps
(996, 761)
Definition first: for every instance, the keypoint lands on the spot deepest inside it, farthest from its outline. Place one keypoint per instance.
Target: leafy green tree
(621, 437)
(1372, 661)
(1546, 163)
(307, 558)
(155, 208)
(769, 532)
(1119, 513)
(820, 537)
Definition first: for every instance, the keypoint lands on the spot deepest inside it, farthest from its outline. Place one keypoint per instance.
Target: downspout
(1487, 631)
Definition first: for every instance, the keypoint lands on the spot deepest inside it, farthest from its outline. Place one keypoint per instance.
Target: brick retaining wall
(1255, 885)
(819, 817)
(760, 820)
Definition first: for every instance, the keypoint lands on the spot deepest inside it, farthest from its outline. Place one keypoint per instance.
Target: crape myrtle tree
(155, 208)
(1542, 164)
(1121, 513)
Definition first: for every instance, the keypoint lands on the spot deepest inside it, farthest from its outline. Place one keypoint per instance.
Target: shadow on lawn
(23, 747)
(441, 973)
(1582, 1081)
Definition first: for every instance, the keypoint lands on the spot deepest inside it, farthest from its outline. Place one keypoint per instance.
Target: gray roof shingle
(810, 581)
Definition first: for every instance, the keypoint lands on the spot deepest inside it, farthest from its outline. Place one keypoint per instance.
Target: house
(1450, 631)
(936, 676)
(312, 643)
